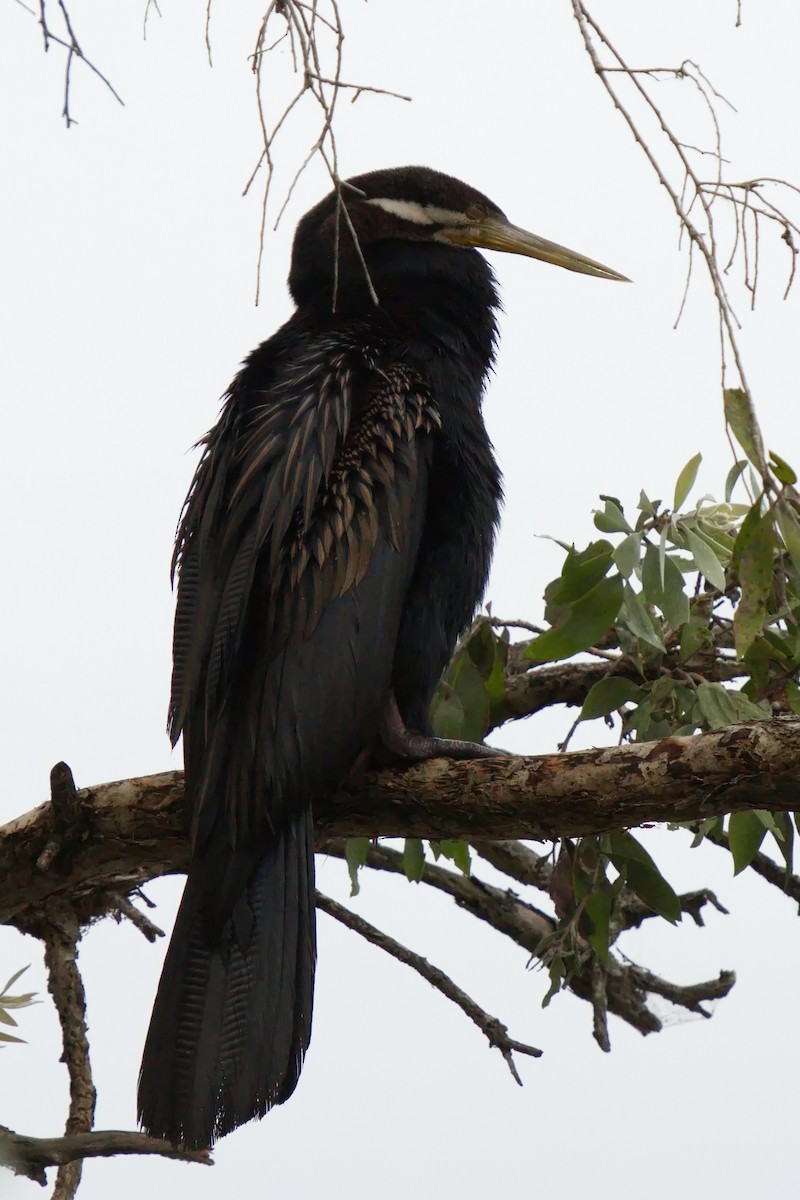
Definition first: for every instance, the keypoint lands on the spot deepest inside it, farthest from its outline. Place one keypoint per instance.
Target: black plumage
(334, 544)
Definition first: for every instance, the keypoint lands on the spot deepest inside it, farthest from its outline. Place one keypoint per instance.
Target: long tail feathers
(231, 1023)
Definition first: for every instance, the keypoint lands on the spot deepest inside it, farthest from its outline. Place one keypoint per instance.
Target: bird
(334, 545)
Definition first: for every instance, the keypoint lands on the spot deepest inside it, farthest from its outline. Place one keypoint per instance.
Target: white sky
(128, 268)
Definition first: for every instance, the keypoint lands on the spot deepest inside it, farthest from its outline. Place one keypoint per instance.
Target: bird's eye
(476, 211)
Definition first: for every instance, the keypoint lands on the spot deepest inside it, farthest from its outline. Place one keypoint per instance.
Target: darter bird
(334, 544)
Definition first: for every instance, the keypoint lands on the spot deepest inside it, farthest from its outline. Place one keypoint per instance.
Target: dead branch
(136, 825)
(491, 1027)
(30, 1156)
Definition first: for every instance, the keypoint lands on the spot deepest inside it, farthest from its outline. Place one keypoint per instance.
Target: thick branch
(135, 827)
(66, 987)
(530, 689)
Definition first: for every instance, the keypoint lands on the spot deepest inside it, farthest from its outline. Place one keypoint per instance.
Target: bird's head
(339, 238)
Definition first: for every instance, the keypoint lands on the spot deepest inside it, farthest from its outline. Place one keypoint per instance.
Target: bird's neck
(436, 299)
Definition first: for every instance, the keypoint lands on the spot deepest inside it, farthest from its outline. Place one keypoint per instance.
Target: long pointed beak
(493, 233)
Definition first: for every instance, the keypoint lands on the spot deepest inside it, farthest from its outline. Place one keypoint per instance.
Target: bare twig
(74, 50)
(704, 241)
(208, 32)
(493, 1029)
(688, 996)
(315, 35)
(124, 908)
(600, 1006)
(150, 4)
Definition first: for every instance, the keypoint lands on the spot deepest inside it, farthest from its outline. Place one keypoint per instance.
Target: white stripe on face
(419, 214)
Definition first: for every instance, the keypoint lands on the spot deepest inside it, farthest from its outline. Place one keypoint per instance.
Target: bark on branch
(134, 828)
(29, 1156)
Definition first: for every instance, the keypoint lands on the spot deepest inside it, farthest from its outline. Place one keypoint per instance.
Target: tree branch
(624, 987)
(135, 827)
(491, 1027)
(530, 689)
(66, 987)
(29, 1156)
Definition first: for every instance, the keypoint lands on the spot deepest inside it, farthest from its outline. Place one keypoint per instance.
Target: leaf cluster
(693, 610)
(9, 1001)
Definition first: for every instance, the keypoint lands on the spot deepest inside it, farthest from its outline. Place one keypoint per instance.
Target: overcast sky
(128, 271)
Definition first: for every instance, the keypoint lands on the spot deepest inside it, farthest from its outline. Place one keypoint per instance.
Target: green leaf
(611, 519)
(686, 480)
(783, 833)
(666, 592)
(782, 469)
(6, 1018)
(721, 707)
(646, 506)
(643, 876)
(752, 554)
(741, 416)
(745, 835)
(17, 975)
(557, 971)
(413, 859)
(707, 562)
(447, 714)
(792, 695)
(733, 478)
(628, 553)
(790, 530)
(582, 571)
(608, 695)
(580, 624)
(355, 852)
(474, 700)
(457, 852)
(638, 620)
(598, 911)
(7, 1037)
(694, 636)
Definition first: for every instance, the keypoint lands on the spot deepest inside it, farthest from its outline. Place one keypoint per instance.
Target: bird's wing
(294, 551)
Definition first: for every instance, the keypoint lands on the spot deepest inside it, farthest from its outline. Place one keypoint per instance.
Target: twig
(688, 996)
(600, 1005)
(530, 929)
(29, 1156)
(492, 1028)
(315, 37)
(208, 32)
(124, 908)
(67, 819)
(705, 243)
(73, 48)
(150, 4)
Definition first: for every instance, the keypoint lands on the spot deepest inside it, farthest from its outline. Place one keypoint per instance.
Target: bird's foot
(400, 742)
